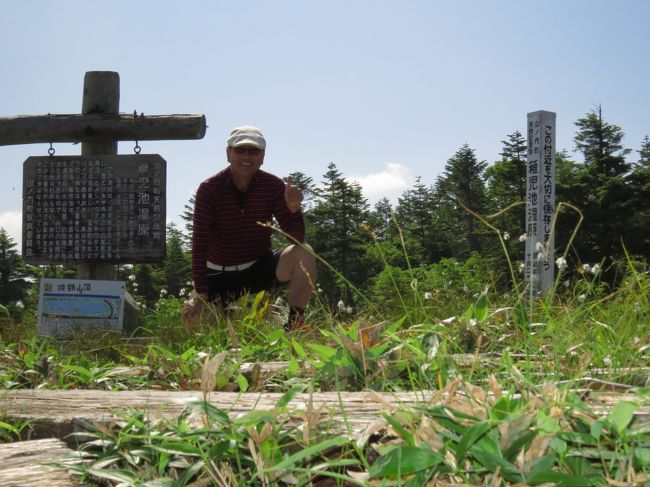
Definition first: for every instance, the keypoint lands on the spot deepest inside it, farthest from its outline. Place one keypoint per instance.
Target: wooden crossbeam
(99, 127)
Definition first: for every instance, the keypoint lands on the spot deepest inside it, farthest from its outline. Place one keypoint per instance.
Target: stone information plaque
(99, 209)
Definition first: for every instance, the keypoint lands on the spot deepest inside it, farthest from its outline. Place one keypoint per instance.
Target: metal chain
(51, 150)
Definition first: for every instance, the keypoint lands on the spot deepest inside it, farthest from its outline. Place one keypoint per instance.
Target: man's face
(244, 160)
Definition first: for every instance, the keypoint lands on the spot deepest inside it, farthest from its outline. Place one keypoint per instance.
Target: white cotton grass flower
(428, 295)
(163, 293)
(561, 263)
(595, 270)
(586, 268)
(348, 309)
(523, 237)
(522, 268)
(20, 304)
(506, 236)
(341, 305)
(132, 277)
(582, 298)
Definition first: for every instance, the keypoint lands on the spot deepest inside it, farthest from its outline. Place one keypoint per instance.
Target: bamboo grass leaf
(288, 396)
(522, 441)
(492, 462)
(622, 414)
(82, 371)
(178, 448)
(470, 437)
(308, 452)
(9, 427)
(404, 460)
(116, 474)
(325, 352)
(406, 436)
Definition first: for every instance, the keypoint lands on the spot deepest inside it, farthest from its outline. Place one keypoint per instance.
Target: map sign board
(94, 209)
(71, 304)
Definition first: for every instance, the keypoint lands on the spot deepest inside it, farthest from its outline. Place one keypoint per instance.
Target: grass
(504, 368)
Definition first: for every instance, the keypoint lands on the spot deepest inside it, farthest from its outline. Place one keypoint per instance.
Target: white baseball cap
(246, 135)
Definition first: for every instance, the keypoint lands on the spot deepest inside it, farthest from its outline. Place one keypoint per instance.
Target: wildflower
(348, 309)
(182, 292)
(581, 298)
(523, 237)
(607, 361)
(428, 295)
(132, 277)
(522, 268)
(595, 270)
(506, 236)
(341, 305)
(542, 254)
(561, 263)
(586, 268)
(20, 305)
(163, 293)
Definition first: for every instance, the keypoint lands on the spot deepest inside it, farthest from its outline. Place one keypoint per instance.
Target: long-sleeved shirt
(225, 229)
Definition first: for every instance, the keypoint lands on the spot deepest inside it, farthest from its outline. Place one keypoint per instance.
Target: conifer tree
(638, 242)
(335, 231)
(606, 197)
(176, 269)
(188, 217)
(461, 183)
(416, 215)
(505, 186)
(14, 274)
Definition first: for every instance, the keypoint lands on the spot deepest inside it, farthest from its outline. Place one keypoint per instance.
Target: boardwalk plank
(346, 413)
(25, 464)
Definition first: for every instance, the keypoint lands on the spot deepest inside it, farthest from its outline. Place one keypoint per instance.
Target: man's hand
(292, 196)
(192, 310)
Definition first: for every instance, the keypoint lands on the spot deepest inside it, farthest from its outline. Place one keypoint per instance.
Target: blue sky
(386, 90)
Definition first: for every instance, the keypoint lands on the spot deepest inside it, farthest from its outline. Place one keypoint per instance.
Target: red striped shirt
(225, 232)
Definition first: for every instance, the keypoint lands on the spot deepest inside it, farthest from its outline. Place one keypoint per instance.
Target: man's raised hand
(292, 196)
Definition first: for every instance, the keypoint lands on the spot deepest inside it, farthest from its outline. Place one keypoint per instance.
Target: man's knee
(294, 259)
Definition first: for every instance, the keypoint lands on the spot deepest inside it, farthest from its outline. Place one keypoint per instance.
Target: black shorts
(226, 286)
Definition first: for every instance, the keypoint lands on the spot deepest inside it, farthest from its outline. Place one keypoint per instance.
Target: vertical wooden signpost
(100, 208)
(540, 204)
(101, 95)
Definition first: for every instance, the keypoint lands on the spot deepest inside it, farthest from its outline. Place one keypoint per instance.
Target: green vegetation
(425, 296)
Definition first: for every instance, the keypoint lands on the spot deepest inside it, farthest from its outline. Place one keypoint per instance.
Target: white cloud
(389, 183)
(12, 222)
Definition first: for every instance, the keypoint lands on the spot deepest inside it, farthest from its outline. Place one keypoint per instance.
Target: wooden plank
(35, 129)
(347, 413)
(25, 464)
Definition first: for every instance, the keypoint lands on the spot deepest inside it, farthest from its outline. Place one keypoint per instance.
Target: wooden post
(101, 96)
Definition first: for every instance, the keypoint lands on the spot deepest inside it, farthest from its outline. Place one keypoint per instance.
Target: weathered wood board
(348, 413)
(28, 464)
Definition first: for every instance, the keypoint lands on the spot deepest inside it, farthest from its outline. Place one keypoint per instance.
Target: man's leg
(297, 265)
